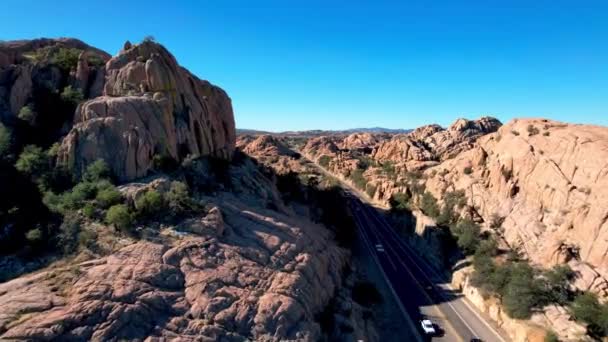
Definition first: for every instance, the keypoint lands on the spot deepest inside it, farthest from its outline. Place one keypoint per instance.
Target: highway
(421, 291)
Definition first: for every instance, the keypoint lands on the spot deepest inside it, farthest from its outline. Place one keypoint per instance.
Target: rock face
(151, 106)
(30, 75)
(251, 275)
(548, 181)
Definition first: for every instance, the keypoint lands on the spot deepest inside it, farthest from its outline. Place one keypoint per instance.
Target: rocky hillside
(547, 182)
(528, 194)
(131, 217)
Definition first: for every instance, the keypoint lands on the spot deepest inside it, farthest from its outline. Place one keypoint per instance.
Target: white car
(427, 327)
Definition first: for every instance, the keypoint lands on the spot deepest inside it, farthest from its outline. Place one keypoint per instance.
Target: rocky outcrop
(263, 145)
(31, 74)
(547, 181)
(247, 274)
(151, 106)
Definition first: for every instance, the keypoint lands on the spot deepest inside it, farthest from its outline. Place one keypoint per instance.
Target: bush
(33, 162)
(467, 170)
(366, 294)
(521, 293)
(371, 191)
(5, 140)
(68, 234)
(27, 114)
(428, 205)
(467, 235)
(357, 177)
(66, 58)
(72, 95)
(88, 210)
(120, 217)
(34, 236)
(178, 198)
(97, 171)
(556, 283)
(149, 204)
(400, 202)
(389, 169)
(532, 130)
(586, 308)
(546, 134)
(108, 197)
(551, 337)
(324, 161)
(515, 133)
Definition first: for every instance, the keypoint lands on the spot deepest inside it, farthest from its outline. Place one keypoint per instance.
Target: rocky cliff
(547, 182)
(150, 107)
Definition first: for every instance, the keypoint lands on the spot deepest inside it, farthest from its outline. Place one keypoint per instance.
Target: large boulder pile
(150, 107)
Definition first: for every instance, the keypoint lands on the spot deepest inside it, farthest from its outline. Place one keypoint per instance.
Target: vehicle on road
(427, 327)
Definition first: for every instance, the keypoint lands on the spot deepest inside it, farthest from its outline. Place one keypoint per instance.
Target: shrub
(27, 114)
(532, 130)
(88, 210)
(551, 337)
(33, 161)
(547, 133)
(555, 283)
(108, 197)
(149, 204)
(119, 216)
(467, 234)
(428, 205)
(5, 140)
(357, 177)
(68, 234)
(178, 199)
(467, 170)
(515, 133)
(521, 293)
(72, 95)
(400, 202)
(96, 171)
(324, 161)
(389, 169)
(371, 191)
(34, 236)
(587, 308)
(366, 294)
(66, 58)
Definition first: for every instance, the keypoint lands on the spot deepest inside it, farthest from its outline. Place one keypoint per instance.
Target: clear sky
(294, 65)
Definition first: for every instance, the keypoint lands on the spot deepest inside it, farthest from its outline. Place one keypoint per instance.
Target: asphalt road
(421, 291)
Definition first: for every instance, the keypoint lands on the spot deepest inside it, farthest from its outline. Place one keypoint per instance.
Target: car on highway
(427, 327)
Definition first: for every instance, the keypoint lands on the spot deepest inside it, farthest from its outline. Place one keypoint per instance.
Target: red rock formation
(151, 106)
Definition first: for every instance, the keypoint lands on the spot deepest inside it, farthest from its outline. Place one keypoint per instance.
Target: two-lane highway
(421, 291)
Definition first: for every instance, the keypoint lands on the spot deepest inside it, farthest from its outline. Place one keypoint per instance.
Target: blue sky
(293, 65)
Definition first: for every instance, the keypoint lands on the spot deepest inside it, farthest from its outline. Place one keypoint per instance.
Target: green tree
(467, 235)
(521, 294)
(556, 284)
(119, 216)
(428, 205)
(357, 177)
(551, 337)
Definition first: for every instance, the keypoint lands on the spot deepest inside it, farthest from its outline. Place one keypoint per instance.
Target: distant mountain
(317, 132)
